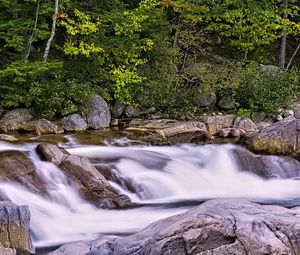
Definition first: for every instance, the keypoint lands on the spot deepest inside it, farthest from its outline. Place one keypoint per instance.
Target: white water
(158, 174)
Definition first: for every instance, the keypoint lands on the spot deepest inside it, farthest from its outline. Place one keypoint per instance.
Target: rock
(118, 109)
(224, 132)
(227, 104)
(97, 113)
(74, 122)
(246, 124)
(281, 138)
(16, 166)
(114, 122)
(8, 138)
(236, 132)
(262, 125)
(12, 120)
(288, 113)
(208, 100)
(215, 123)
(267, 166)
(270, 69)
(132, 111)
(14, 229)
(90, 182)
(218, 227)
(279, 117)
(258, 116)
(165, 131)
(41, 127)
(296, 109)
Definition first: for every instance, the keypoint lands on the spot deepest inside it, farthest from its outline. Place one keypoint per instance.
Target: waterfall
(150, 175)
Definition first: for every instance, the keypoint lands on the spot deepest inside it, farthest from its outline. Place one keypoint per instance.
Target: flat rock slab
(217, 227)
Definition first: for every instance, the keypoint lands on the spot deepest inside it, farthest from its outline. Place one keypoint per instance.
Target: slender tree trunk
(282, 53)
(33, 31)
(293, 56)
(54, 19)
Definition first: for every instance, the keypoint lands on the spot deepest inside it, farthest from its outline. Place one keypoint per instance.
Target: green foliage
(243, 113)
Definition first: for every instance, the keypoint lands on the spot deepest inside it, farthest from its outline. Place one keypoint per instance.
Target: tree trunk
(282, 53)
(54, 19)
(33, 31)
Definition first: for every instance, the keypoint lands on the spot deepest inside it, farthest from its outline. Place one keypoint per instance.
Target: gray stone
(118, 109)
(258, 116)
(217, 227)
(226, 104)
(132, 111)
(246, 124)
(296, 109)
(280, 138)
(74, 122)
(215, 123)
(14, 229)
(12, 120)
(235, 132)
(288, 113)
(209, 100)
(41, 127)
(97, 113)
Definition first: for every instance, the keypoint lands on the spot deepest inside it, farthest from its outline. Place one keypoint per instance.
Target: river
(163, 180)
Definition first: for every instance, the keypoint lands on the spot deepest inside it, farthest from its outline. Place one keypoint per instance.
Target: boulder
(41, 127)
(226, 104)
(296, 109)
(215, 123)
(90, 182)
(17, 167)
(217, 227)
(267, 166)
(208, 100)
(14, 230)
(97, 113)
(246, 124)
(8, 138)
(118, 109)
(281, 138)
(74, 122)
(288, 113)
(132, 111)
(258, 116)
(12, 120)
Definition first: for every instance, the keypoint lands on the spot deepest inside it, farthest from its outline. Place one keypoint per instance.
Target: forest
(170, 55)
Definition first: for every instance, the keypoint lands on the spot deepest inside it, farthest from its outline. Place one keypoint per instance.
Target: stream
(163, 180)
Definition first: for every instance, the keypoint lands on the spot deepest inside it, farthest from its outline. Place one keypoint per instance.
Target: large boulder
(118, 109)
(281, 138)
(217, 227)
(14, 230)
(17, 167)
(41, 127)
(90, 182)
(12, 120)
(97, 113)
(215, 123)
(74, 122)
(267, 166)
(246, 124)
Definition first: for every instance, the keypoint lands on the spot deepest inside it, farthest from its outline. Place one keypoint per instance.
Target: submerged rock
(218, 227)
(281, 138)
(14, 230)
(90, 182)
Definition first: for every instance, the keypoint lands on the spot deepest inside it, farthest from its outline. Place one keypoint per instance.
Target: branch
(293, 56)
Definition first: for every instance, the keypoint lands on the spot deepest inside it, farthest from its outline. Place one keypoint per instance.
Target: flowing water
(165, 180)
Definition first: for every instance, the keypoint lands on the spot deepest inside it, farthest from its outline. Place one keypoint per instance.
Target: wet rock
(16, 166)
(118, 109)
(90, 182)
(12, 120)
(14, 230)
(41, 127)
(267, 166)
(218, 227)
(97, 113)
(74, 122)
(8, 138)
(281, 138)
